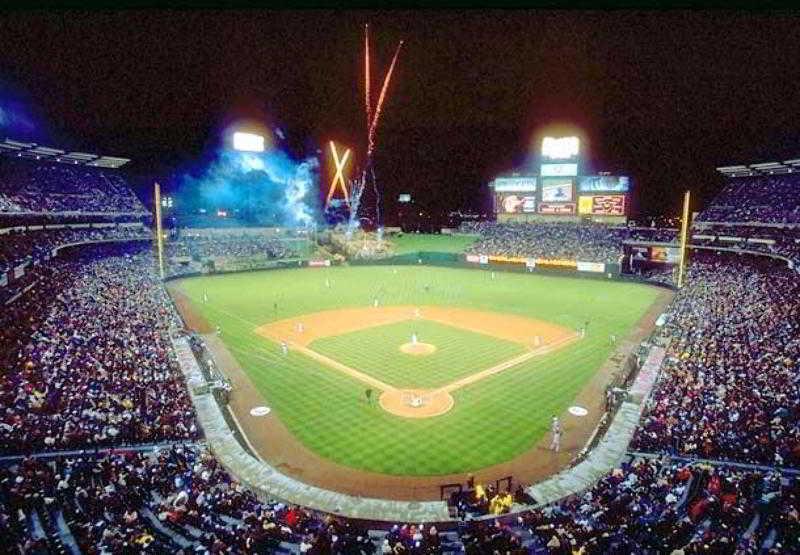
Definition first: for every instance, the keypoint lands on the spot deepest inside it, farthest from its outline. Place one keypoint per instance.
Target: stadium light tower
(560, 148)
(248, 142)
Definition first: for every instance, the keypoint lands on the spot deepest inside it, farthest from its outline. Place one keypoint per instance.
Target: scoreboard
(558, 191)
(561, 197)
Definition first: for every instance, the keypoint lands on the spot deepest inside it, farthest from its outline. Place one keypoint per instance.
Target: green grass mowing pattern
(459, 353)
(413, 242)
(491, 421)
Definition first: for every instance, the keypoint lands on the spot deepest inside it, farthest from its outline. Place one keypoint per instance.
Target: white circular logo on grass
(260, 411)
(578, 411)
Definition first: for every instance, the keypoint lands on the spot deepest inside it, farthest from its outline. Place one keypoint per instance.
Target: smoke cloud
(268, 188)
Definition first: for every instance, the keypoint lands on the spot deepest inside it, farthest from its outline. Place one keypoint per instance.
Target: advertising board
(564, 208)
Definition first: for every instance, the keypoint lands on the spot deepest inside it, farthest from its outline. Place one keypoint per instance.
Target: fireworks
(338, 178)
(367, 98)
(374, 117)
(378, 108)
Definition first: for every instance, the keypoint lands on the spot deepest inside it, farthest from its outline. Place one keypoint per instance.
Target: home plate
(578, 411)
(260, 411)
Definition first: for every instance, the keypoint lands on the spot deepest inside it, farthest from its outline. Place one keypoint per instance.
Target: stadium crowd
(18, 247)
(87, 361)
(177, 498)
(173, 499)
(730, 386)
(767, 239)
(655, 506)
(230, 244)
(762, 199)
(585, 242)
(38, 186)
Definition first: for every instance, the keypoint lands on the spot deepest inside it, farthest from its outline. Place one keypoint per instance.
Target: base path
(327, 323)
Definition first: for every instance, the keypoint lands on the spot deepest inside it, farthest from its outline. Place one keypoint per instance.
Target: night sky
(661, 96)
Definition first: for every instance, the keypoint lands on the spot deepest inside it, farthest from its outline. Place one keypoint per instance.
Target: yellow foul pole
(159, 232)
(684, 238)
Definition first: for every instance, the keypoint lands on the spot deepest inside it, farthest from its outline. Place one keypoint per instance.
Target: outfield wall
(571, 268)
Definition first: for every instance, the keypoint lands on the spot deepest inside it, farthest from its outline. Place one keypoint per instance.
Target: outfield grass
(492, 420)
(419, 242)
(375, 352)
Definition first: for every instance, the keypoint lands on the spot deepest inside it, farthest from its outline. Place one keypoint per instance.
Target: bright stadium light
(560, 148)
(248, 142)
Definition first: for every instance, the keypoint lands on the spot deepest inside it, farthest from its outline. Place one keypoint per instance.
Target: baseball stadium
(411, 302)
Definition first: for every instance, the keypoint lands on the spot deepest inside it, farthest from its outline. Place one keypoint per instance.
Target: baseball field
(465, 366)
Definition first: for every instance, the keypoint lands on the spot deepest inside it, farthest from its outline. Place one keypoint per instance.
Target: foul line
(366, 378)
(478, 376)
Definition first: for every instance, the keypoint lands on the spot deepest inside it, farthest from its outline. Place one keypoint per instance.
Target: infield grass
(376, 351)
(492, 420)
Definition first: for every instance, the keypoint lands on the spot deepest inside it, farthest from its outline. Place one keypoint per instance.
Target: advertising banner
(608, 205)
(319, 263)
(474, 258)
(557, 170)
(604, 183)
(553, 208)
(515, 184)
(598, 267)
(556, 262)
(508, 259)
(483, 259)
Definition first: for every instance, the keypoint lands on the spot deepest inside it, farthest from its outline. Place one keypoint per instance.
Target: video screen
(603, 183)
(669, 255)
(516, 204)
(556, 190)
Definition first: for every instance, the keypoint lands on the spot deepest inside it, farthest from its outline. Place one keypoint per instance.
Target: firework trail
(367, 101)
(374, 125)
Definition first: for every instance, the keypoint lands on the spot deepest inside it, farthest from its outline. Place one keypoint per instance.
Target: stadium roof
(763, 168)
(21, 149)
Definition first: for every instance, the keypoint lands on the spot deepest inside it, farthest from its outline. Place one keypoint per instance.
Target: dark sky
(661, 96)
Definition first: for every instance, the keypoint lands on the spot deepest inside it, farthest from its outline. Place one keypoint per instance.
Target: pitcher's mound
(418, 349)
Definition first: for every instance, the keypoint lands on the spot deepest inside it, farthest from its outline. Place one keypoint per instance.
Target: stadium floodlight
(560, 148)
(248, 142)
